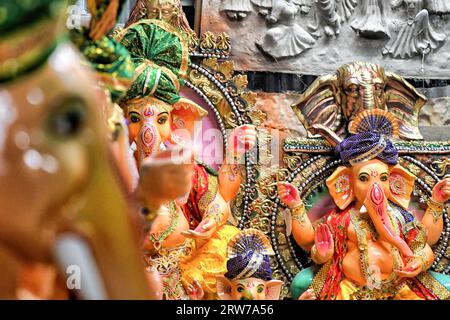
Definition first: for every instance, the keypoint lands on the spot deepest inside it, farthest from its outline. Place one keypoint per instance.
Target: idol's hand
(411, 270)
(166, 177)
(308, 295)
(323, 240)
(195, 291)
(289, 194)
(204, 230)
(242, 139)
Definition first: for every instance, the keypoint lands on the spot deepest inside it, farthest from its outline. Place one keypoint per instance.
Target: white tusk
(71, 250)
(363, 209)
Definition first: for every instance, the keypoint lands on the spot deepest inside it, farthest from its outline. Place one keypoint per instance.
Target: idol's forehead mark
(152, 110)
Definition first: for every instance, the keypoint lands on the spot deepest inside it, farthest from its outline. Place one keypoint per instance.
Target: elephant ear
(340, 187)
(401, 184)
(273, 289)
(184, 115)
(405, 102)
(320, 104)
(223, 286)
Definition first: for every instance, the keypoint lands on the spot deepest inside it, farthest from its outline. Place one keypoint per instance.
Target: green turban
(107, 57)
(29, 32)
(110, 60)
(161, 56)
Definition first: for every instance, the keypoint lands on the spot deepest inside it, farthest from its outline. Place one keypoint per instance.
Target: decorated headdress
(161, 57)
(111, 60)
(248, 256)
(370, 130)
(29, 32)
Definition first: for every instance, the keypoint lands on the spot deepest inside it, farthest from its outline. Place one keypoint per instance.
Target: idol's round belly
(380, 262)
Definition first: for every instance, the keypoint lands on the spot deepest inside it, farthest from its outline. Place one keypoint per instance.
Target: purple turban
(366, 146)
(249, 256)
(250, 264)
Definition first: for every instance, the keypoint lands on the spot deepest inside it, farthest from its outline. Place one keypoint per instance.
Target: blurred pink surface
(205, 141)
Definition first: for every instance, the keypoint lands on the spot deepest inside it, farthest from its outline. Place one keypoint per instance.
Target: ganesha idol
(186, 242)
(370, 246)
(249, 276)
(54, 164)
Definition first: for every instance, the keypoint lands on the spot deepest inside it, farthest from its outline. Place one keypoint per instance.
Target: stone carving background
(434, 118)
(336, 42)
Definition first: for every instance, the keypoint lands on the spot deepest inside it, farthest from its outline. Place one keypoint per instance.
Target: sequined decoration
(342, 184)
(398, 185)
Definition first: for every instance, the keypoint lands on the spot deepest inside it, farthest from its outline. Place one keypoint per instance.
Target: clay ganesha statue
(370, 246)
(187, 240)
(55, 164)
(249, 276)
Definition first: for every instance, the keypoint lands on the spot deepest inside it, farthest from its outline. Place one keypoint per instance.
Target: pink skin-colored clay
(291, 191)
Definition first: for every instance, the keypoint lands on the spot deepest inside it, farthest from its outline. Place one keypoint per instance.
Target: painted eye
(68, 118)
(134, 117)
(379, 86)
(240, 289)
(352, 90)
(260, 289)
(162, 120)
(363, 177)
(384, 177)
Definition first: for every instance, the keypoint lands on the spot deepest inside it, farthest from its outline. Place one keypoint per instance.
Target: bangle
(424, 260)
(214, 214)
(299, 213)
(436, 209)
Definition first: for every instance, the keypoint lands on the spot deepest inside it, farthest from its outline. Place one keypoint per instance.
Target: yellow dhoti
(208, 261)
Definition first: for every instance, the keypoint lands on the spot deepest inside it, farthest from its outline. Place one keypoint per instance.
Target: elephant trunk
(376, 205)
(368, 95)
(101, 241)
(148, 142)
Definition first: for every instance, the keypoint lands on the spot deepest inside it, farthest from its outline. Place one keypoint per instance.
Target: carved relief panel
(409, 37)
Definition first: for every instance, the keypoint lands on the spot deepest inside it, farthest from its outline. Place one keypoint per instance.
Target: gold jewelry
(436, 209)
(422, 256)
(214, 214)
(166, 263)
(299, 213)
(424, 263)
